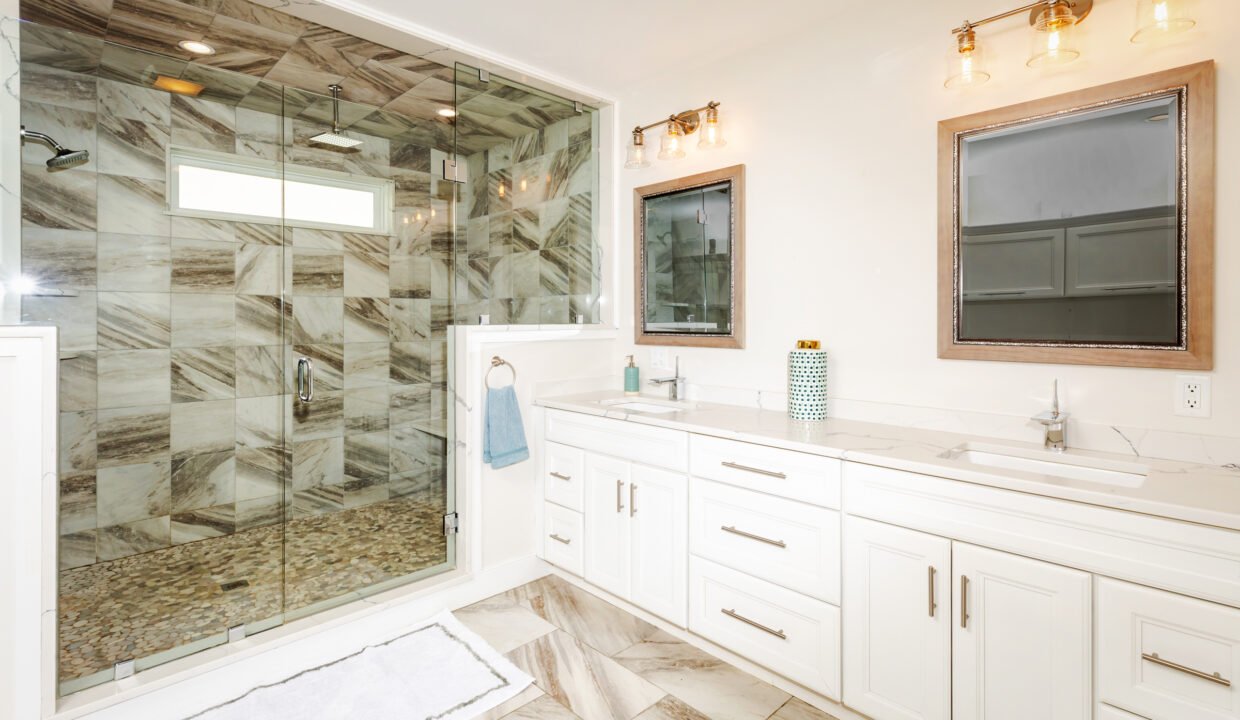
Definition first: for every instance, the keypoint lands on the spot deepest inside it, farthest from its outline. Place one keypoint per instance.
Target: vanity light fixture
(1159, 18)
(196, 47)
(1054, 42)
(679, 127)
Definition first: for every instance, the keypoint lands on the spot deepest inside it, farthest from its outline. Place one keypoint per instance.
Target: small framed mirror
(690, 251)
(1079, 228)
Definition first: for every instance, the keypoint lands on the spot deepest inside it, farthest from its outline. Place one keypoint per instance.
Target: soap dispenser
(632, 381)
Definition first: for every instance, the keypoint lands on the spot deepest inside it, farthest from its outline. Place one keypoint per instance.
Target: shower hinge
(454, 171)
(484, 75)
(577, 107)
(236, 633)
(451, 524)
(123, 669)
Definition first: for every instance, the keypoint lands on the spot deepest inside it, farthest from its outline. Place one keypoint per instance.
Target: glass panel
(527, 250)
(1069, 228)
(369, 486)
(172, 438)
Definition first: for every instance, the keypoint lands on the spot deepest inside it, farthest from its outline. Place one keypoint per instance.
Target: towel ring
(497, 361)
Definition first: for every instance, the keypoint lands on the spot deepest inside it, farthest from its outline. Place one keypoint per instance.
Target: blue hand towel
(503, 435)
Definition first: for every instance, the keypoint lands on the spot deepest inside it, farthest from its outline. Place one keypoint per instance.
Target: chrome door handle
(732, 529)
(759, 471)
(560, 476)
(305, 379)
(559, 539)
(632, 499)
(1212, 677)
(753, 623)
(964, 601)
(930, 581)
(619, 496)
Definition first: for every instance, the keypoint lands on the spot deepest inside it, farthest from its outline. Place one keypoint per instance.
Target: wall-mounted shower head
(334, 138)
(64, 157)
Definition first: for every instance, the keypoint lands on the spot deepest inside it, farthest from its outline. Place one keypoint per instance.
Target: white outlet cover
(660, 357)
(1182, 393)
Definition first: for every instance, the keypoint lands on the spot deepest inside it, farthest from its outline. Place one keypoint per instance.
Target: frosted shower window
(232, 188)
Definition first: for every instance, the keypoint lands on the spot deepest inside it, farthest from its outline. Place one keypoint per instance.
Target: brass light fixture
(679, 127)
(1054, 42)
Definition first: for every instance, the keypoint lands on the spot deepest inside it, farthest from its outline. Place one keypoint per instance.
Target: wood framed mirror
(689, 248)
(1080, 228)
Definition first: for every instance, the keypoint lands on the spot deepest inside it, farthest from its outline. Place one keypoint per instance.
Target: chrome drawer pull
(632, 499)
(619, 491)
(751, 536)
(559, 539)
(964, 601)
(759, 471)
(933, 605)
(1214, 678)
(560, 476)
(736, 616)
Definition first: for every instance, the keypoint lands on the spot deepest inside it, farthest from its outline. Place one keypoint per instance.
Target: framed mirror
(690, 250)
(1080, 228)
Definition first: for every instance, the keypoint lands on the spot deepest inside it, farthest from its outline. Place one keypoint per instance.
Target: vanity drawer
(619, 438)
(791, 634)
(1106, 712)
(796, 475)
(787, 542)
(1158, 654)
(563, 470)
(563, 538)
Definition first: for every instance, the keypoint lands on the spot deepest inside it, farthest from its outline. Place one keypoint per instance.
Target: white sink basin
(652, 406)
(1045, 462)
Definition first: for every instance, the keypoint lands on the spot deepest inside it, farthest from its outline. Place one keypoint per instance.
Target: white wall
(837, 128)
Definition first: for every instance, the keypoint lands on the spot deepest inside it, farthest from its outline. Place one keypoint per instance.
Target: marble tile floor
(145, 604)
(593, 661)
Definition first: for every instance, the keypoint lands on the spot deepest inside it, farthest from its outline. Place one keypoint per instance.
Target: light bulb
(1054, 37)
(1160, 18)
(636, 158)
(965, 65)
(671, 146)
(712, 131)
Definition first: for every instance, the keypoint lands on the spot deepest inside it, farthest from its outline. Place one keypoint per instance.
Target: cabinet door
(607, 523)
(658, 513)
(897, 629)
(1021, 647)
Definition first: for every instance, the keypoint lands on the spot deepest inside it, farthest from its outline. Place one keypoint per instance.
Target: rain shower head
(334, 138)
(64, 157)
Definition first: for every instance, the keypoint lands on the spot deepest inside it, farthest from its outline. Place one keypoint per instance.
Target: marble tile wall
(177, 418)
(528, 218)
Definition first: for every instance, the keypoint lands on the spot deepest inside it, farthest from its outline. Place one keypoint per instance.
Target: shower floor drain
(234, 585)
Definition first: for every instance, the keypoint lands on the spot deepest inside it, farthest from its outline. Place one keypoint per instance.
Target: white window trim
(383, 189)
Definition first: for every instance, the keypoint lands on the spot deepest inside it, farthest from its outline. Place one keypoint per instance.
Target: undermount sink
(649, 406)
(1044, 462)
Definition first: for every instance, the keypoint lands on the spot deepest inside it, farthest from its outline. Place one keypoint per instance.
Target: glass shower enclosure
(256, 392)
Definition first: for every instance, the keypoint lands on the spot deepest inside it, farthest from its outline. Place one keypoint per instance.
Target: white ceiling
(609, 45)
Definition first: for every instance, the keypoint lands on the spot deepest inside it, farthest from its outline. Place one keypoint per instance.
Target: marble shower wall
(177, 422)
(528, 216)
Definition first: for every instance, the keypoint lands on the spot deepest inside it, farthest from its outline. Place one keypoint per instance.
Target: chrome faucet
(675, 384)
(1054, 424)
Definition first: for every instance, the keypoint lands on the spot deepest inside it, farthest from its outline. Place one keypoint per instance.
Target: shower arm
(43, 138)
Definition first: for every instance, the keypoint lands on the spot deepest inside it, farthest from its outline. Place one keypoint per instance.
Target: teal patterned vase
(807, 381)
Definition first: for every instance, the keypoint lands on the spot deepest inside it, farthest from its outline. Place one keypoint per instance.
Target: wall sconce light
(1054, 41)
(679, 127)
(1159, 18)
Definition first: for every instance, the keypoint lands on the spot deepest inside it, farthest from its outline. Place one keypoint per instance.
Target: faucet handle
(1050, 417)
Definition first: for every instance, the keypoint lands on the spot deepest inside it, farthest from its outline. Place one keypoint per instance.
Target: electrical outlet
(660, 357)
(1192, 395)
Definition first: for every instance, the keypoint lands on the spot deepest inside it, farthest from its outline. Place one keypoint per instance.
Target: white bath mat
(438, 670)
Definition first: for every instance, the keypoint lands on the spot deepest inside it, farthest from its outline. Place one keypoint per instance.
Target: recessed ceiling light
(196, 46)
(447, 112)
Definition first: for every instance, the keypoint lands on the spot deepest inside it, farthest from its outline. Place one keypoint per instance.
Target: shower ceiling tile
(54, 48)
(254, 37)
(377, 83)
(80, 16)
(157, 25)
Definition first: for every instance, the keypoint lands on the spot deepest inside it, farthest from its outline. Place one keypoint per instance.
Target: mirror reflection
(688, 261)
(1069, 228)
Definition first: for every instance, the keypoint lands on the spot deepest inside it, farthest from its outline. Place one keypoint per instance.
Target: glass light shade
(1054, 42)
(1159, 18)
(965, 67)
(712, 131)
(671, 145)
(636, 158)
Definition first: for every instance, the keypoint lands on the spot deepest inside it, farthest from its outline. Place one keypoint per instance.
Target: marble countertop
(1204, 494)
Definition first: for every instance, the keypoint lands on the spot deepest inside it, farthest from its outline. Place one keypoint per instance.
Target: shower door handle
(305, 379)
